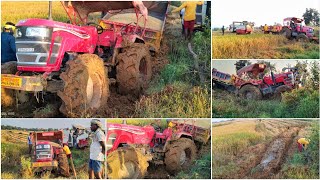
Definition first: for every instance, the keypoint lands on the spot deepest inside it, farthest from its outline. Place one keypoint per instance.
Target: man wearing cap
(97, 150)
(8, 46)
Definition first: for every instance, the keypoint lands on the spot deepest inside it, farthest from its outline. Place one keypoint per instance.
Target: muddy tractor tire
(302, 38)
(126, 163)
(8, 95)
(279, 90)
(134, 70)
(180, 155)
(63, 165)
(250, 92)
(86, 86)
(286, 32)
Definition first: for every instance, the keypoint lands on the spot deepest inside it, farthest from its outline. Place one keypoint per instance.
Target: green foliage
(304, 165)
(311, 16)
(177, 100)
(200, 170)
(300, 103)
(26, 168)
(176, 3)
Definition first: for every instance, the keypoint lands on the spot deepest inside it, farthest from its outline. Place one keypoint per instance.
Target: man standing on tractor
(302, 144)
(97, 150)
(189, 16)
(30, 143)
(8, 46)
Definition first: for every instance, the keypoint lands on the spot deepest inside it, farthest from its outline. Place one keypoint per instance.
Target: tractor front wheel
(126, 163)
(279, 91)
(180, 155)
(250, 92)
(134, 70)
(86, 86)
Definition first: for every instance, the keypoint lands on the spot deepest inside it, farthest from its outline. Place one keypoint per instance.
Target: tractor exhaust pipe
(50, 10)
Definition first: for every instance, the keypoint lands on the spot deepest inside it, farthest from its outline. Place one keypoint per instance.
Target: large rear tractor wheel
(86, 86)
(8, 95)
(250, 92)
(279, 91)
(302, 38)
(180, 155)
(286, 32)
(63, 164)
(134, 70)
(126, 163)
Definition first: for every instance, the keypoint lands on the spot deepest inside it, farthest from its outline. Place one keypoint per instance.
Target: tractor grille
(35, 53)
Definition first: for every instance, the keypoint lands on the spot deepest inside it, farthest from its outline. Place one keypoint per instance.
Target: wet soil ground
(118, 105)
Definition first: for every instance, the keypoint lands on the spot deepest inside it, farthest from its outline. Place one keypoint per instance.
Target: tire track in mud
(265, 160)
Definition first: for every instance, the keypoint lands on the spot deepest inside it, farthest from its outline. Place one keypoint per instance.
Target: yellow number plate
(43, 164)
(11, 82)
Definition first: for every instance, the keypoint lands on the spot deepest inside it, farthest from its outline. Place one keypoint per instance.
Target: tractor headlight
(37, 32)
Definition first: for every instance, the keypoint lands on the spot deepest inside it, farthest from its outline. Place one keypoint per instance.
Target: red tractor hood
(251, 68)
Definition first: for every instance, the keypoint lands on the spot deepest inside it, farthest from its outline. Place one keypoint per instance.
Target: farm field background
(265, 149)
(260, 46)
(174, 91)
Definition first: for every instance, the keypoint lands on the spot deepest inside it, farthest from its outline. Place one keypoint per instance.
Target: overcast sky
(228, 66)
(224, 12)
(56, 123)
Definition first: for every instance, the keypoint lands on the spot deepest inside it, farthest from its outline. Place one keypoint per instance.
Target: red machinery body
(296, 26)
(47, 148)
(129, 134)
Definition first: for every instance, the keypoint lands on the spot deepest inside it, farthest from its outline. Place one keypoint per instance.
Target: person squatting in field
(8, 46)
(189, 16)
(97, 150)
(302, 144)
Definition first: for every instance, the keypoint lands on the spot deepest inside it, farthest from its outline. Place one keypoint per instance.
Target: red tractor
(48, 153)
(252, 83)
(78, 61)
(130, 148)
(293, 28)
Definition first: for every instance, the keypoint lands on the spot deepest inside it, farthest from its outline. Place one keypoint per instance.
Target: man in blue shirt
(30, 143)
(8, 46)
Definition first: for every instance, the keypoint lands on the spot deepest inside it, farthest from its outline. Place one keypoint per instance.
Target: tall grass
(201, 169)
(300, 103)
(19, 10)
(263, 46)
(304, 165)
(228, 141)
(177, 100)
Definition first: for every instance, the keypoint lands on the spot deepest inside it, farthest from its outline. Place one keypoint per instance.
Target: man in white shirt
(97, 150)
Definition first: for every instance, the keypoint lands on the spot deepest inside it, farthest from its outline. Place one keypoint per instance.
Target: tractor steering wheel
(99, 28)
(124, 27)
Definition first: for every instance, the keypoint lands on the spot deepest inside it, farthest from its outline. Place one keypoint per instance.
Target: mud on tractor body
(48, 153)
(252, 83)
(131, 148)
(78, 62)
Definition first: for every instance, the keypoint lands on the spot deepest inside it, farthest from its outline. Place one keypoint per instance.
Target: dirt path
(265, 160)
